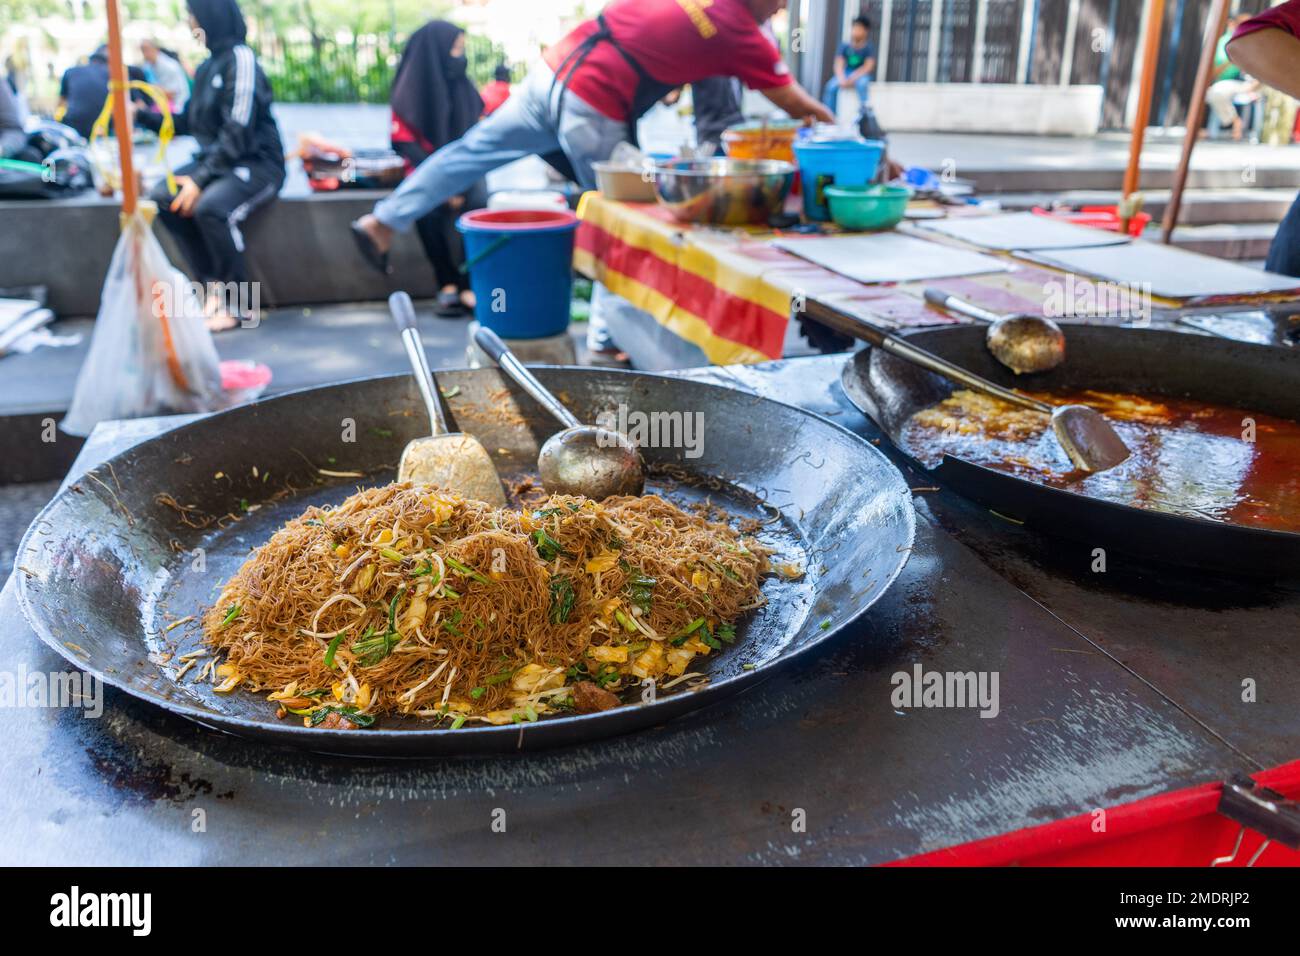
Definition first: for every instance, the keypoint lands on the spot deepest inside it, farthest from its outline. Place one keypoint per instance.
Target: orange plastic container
(758, 141)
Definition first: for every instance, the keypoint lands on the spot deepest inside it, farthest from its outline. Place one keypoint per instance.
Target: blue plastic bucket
(520, 265)
(836, 162)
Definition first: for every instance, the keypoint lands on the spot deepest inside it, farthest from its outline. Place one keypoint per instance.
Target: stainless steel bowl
(729, 192)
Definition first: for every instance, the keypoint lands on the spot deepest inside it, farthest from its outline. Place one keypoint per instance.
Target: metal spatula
(452, 460)
(1085, 435)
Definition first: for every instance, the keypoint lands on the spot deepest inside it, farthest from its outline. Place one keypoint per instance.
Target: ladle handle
(399, 304)
(849, 324)
(498, 351)
(941, 299)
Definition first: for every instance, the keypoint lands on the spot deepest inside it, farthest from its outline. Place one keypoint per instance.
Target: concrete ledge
(988, 108)
(298, 249)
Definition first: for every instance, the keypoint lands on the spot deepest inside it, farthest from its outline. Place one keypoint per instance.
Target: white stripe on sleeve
(241, 110)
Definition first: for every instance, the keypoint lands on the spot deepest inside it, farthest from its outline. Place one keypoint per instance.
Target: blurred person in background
(84, 90)
(716, 103)
(13, 137)
(586, 97)
(165, 72)
(1268, 47)
(239, 166)
(855, 61)
(434, 102)
(498, 91)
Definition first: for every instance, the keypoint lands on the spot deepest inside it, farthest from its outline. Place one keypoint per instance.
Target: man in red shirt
(1268, 48)
(589, 92)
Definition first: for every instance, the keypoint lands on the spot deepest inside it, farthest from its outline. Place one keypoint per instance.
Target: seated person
(855, 61)
(1229, 82)
(238, 168)
(165, 72)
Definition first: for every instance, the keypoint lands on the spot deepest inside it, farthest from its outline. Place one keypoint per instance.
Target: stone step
(1200, 206)
(1232, 240)
(1054, 178)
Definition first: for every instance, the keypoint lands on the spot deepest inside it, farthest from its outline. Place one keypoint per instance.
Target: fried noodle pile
(406, 600)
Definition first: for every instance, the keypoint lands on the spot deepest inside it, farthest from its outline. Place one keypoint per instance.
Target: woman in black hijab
(433, 103)
(238, 168)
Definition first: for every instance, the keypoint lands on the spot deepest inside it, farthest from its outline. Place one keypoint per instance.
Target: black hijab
(221, 22)
(431, 92)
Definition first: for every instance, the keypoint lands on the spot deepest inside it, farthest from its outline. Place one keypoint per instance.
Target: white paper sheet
(1173, 273)
(889, 257)
(1023, 230)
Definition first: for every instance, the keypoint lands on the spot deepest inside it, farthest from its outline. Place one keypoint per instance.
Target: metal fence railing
(357, 71)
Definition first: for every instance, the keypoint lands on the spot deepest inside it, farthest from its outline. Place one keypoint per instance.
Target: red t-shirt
(493, 95)
(1285, 17)
(676, 42)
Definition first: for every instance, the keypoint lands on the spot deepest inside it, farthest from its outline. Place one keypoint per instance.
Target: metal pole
(1071, 34)
(1214, 25)
(882, 56)
(936, 23)
(121, 121)
(977, 53)
(1150, 54)
(1028, 33)
(1167, 83)
(911, 39)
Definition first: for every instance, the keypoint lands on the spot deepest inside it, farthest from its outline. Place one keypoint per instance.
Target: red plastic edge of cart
(1181, 828)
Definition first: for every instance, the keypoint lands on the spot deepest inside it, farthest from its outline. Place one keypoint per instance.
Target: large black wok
(112, 560)
(1151, 361)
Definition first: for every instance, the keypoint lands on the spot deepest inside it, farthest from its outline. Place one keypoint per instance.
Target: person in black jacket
(239, 166)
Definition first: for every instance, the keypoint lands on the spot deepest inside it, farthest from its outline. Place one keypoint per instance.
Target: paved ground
(303, 346)
(18, 506)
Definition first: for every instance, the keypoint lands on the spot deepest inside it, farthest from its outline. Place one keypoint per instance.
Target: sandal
(449, 306)
(369, 251)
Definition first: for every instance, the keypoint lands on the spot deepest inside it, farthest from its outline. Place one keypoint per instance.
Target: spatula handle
(859, 328)
(399, 304)
(950, 303)
(500, 353)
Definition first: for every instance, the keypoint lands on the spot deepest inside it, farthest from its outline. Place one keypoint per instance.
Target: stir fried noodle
(406, 600)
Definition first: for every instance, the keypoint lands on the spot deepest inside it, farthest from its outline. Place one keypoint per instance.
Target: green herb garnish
(332, 650)
(231, 613)
(640, 588)
(466, 570)
(548, 549)
(562, 599)
(680, 637)
(347, 712)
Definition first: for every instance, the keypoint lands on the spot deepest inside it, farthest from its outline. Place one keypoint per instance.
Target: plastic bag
(151, 353)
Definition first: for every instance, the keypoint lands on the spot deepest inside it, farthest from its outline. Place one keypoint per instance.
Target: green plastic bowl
(868, 207)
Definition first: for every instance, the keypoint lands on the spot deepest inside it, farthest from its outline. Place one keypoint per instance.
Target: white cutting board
(889, 257)
(1023, 230)
(1174, 273)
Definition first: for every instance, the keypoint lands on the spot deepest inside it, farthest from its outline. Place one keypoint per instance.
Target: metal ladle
(1023, 343)
(582, 459)
(1085, 435)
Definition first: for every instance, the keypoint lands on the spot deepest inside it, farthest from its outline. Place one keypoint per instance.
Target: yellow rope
(165, 132)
